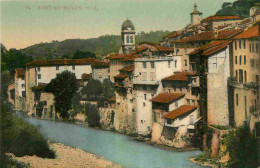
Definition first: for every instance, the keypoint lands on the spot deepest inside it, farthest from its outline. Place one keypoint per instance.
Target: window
(176, 104)
(152, 95)
(240, 75)
(250, 48)
(144, 64)
(175, 62)
(144, 104)
(142, 121)
(144, 96)
(237, 99)
(244, 44)
(131, 39)
(152, 64)
(23, 85)
(169, 121)
(127, 39)
(193, 102)
(245, 107)
(188, 101)
(57, 67)
(169, 90)
(236, 60)
(239, 44)
(256, 48)
(144, 87)
(245, 76)
(39, 76)
(253, 48)
(23, 93)
(236, 74)
(244, 59)
(185, 62)
(133, 110)
(240, 59)
(38, 69)
(149, 129)
(169, 64)
(235, 45)
(73, 67)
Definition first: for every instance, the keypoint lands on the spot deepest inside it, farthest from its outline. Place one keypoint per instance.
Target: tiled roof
(140, 49)
(211, 48)
(40, 87)
(112, 99)
(181, 76)
(54, 62)
(121, 76)
(210, 35)
(129, 68)
(167, 97)
(180, 111)
(216, 18)
(249, 33)
(116, 56)
(174, 34)
(130, 58)
(85, 76)
(158, 47)
(20, 72)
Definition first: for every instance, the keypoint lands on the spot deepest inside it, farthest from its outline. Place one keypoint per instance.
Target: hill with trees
(239, 7)
(101, 46)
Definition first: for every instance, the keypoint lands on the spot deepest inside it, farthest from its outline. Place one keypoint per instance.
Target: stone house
(245, 77)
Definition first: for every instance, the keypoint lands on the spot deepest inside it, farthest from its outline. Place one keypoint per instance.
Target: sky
(25, 23)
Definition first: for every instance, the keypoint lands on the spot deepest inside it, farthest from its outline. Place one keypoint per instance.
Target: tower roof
(127, 24)
(195, 11)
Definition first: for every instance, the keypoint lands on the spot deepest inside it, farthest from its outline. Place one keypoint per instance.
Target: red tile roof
(174, 34)
(212, 47)
(249, 33)
(216, 18)
(140, 49)
(53, 62)
(158, 47)
(210, 35)
(121, 76)
(112, 99)
(130, 58)
(116, 56)
(129, 68)
(180, 111)
(181, 76)
(167, 97)
(20, 72)
(85, 76)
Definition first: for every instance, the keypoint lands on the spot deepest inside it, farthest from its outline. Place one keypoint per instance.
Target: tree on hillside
(63, 88)
(14, 59)
(108, 89)
(93, 90)
(80, 55)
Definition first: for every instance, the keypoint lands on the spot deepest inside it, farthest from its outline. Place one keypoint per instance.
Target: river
(118, 148)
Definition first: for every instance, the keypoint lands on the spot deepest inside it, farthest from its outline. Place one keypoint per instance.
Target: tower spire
(195, 6)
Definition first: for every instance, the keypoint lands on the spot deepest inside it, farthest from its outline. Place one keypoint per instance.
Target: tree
(93, 90)
(80, 55)
(108, 89)
(92, 114)
(63, 87)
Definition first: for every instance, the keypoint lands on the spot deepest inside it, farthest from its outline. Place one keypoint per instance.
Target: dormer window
(57, 67)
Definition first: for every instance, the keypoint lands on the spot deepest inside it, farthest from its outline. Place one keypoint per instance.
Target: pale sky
(24, 23)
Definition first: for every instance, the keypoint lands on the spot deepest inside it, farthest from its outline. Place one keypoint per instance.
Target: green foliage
(209, 134)
(20, 138)
(80, 55)
(101, 46)
(242, 148)
(5, 81)
(92, 113)
(93, 90)
(206, 158)
(14, 59)
(108, 89)
(63, 88)
(77, 107)
(239, 7)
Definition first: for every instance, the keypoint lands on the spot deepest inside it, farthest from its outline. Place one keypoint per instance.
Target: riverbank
(67, 156)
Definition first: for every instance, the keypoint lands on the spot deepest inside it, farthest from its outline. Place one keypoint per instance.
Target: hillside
(102, 45)
(239, 7)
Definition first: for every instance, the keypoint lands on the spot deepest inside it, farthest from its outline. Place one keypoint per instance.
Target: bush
(92, 113)
(20, 138)
(242, 148)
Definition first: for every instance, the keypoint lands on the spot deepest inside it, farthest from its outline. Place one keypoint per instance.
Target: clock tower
(128, 37)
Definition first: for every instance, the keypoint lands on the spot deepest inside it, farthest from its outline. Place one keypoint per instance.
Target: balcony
(242, 85)
(138, 81)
